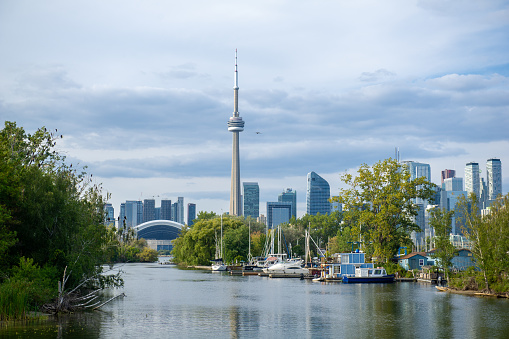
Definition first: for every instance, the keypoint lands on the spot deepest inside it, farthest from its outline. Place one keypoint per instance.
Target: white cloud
(143, 96)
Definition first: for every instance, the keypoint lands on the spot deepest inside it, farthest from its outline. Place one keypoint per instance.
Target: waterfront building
(177, 211)
(472, 182)
(251, 199)
(494, 178)
(289, 196)
(166, 210)
(110, 214)
(180, 210)
(278, 213)
(149, 206)
(191, 214)
(317, 195)
(133, 213)
(121, 216)
(174, 211)
(235, 125)
(453, 184)
(159, 234)
(419, 170)
(448, 173)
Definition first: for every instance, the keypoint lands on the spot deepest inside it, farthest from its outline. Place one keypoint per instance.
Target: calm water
(163, 301)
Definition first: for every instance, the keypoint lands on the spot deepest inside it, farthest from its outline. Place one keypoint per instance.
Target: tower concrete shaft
(235, 125)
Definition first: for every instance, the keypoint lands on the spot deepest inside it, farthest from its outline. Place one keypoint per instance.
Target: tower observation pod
(235, 125)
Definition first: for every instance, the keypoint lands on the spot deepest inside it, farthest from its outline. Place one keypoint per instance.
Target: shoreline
(472, 293)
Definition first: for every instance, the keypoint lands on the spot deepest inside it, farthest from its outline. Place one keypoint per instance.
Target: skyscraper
(494, 178)
(317, 195)
(149, 206)
(166, 210)
(235, 125)
(419, 170)
(446, 174)
(251, 199)
(289, 196)
(472, 182)
(191, 213)
(278, 213)
(110, 214)
(177, 211)
(133, 213)
(453, 184)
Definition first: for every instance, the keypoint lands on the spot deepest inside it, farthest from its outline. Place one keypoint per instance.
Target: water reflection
(163, 301)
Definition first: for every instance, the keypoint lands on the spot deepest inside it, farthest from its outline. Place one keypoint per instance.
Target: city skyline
(141, 96)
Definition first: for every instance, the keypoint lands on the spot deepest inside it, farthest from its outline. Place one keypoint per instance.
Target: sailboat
(217, 263)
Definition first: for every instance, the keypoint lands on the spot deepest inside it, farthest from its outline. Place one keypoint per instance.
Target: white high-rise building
(494, 178)
(472, 182)
(419, 170)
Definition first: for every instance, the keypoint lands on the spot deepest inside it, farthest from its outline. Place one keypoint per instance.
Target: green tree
(342, 242)
(489, 236)
(197, 245)
(380, 201)
(441, 221)
(147, 255)
(50, 213)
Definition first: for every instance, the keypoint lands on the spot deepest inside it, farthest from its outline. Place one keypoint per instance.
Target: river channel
(163, 301)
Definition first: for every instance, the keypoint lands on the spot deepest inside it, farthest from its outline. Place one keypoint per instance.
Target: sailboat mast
(249, 256)
(221, 236)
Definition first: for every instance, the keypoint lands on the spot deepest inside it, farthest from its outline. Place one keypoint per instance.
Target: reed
(14, 300)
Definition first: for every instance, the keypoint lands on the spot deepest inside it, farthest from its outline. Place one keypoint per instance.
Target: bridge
(159, 233)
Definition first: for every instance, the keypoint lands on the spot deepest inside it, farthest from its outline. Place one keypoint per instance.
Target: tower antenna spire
(236, 84)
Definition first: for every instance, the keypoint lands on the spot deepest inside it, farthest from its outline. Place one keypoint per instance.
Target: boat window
(377, 271)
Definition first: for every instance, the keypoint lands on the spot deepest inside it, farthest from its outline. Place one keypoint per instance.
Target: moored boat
(218, 265)
(369, 275)
(291, 267)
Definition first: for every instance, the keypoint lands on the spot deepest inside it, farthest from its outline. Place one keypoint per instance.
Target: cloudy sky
(142, 90)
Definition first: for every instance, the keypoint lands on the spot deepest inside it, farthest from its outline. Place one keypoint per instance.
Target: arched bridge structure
(158, 230)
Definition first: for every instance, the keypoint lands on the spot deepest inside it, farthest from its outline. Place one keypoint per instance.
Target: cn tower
(235, 125)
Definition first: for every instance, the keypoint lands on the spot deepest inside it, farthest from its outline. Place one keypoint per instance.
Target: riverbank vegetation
(489, 235)
(51, 222)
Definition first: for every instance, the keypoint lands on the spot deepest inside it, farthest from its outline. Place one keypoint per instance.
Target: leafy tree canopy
(380, 200)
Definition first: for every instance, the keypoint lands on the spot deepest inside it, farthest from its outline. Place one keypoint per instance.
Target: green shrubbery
(51, 221)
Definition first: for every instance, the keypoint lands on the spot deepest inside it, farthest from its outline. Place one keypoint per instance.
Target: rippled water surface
(166, 302)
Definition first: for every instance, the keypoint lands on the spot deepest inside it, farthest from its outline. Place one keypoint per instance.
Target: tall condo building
(289, 196)
(166, 210)
(278, 213)
(235, 125)
(494, 178)
(149, 206)
(110, 214)
(179, 211)
(121, 216)
(446, 174)
(133, 213)
(317, 195)
(472, 182)
(191, 213)
(251, 199)
(419, 170)
(453, 184)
